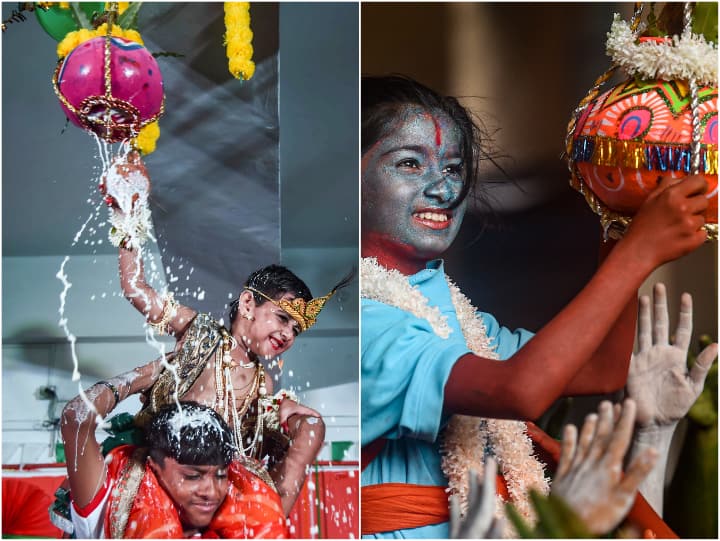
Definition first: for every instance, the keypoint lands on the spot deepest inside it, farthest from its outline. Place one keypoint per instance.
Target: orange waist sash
(399, 506)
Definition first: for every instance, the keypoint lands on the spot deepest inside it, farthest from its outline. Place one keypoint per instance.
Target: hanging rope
(694, 102)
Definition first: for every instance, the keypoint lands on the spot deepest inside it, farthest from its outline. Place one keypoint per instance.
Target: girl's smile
(434, 218)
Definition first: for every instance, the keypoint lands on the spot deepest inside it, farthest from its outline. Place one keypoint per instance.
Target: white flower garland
(132, 229)
(131, 222)
(686, 57)
(465, 438)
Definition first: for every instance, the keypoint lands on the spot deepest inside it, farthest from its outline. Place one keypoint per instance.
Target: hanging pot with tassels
(111, 86)
(621, 142)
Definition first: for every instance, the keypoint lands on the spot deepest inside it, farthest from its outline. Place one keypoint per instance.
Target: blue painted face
(410, 179)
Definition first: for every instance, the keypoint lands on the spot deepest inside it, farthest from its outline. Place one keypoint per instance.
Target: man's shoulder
(247, 469)
(251, 497)
(124, 451)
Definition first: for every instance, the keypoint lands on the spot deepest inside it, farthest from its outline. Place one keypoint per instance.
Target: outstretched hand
(479, 521)
(126, 182)
(659, 381)
(589, 476)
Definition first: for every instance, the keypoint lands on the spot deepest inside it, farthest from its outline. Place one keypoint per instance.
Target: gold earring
(248, 317)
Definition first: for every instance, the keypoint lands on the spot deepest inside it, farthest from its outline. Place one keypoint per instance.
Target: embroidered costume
(414, 330)
(131, 504)
(257, 418)
(205, 337)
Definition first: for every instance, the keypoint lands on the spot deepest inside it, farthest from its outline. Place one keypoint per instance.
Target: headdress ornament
(305, 313)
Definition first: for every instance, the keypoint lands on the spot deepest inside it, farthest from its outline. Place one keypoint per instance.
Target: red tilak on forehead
(438, 132)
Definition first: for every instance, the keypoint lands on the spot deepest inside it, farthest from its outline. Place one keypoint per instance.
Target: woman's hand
(126, 183)
(668, 224)
(589, 476)
(288, 408)
(307, 434)
(659, 381)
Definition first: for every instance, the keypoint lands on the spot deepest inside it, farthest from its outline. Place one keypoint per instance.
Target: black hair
(274, 281)
(383, 97)
(194, 435)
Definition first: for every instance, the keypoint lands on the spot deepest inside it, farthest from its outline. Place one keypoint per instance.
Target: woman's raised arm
(127, 187)
(163, 312)
(667, 226)
(607, 370)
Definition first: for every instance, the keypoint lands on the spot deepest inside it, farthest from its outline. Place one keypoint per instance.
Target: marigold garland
(146, 141)
(238, 40)
(73, 39)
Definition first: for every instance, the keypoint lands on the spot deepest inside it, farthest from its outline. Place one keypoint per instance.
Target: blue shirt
(405, 367)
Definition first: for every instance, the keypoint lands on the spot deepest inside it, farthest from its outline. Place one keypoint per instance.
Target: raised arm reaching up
(127, 186)
(162, 311)
(667, 226)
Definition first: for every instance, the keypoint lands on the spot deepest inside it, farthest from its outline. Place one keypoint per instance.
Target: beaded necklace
(226, 401)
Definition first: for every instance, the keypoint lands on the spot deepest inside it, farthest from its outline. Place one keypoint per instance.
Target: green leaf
(653, 28)
(573, 525)
(555, 519)
(521, 527)
(128, 19)
(549, 523)
(704, 411)
(81, 19)
(705, 20)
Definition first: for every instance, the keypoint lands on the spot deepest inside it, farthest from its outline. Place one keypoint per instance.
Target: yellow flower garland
(238, 40)
(146, 140)
(73, 39)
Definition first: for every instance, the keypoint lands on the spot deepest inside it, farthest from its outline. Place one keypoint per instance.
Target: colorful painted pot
(636, 132)
(114, 105)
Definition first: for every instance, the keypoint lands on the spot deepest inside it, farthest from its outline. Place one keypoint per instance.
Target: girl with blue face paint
(412, 181)
(427, 354)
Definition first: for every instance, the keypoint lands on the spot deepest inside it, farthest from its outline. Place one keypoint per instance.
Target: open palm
(658, 380)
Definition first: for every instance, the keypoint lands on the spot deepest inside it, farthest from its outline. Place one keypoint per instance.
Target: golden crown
(305, 313)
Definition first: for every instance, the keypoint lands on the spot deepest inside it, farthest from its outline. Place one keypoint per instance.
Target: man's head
(190, 449)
